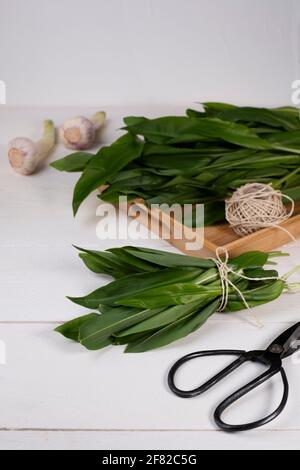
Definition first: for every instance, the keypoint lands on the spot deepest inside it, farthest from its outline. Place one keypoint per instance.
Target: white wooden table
(55, 394)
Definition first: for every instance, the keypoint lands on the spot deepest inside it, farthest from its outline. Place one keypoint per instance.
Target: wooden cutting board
(212, 237)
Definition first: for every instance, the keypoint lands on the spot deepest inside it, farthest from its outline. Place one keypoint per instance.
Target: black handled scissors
(285, 345)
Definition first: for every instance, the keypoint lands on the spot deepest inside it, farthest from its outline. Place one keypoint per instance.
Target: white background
(114, 55)
(104, 52)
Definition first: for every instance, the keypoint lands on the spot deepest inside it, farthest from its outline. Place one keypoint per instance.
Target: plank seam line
(129, 430)
(55, 322)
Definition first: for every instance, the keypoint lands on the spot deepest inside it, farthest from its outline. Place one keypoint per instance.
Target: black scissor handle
(272, 360)
(210, 383)
(243, 391)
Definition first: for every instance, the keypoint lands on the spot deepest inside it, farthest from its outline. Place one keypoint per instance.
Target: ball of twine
(255, 206)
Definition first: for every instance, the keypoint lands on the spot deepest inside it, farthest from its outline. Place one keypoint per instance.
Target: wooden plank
(52, 383)
(144, 440)
(35, 281)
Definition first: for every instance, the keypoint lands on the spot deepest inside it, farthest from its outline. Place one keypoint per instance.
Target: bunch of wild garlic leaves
(198, 158)
(158, 297)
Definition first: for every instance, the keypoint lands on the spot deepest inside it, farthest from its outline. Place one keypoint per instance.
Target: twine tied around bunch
(221, 261)
(226, 283)
(254, 206)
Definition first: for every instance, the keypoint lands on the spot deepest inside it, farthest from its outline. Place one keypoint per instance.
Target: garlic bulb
(25, 156)
(79, 133)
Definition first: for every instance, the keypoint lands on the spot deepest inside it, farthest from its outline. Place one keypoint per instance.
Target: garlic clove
(25, 155)
(79, 133)
(22, 155)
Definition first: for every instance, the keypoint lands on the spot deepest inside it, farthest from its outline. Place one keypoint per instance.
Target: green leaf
(195, 113)
(93, 333)
(109, 195)
(176, 129)
(179, 195)
(293, 193)
(71, 328)
(107, 262)
(213, 107)
(137, 178)
(134, 262)
(250, 259)
(125, 174)
(132, 120)
(200, 149)
(104, 165)
(210, 109)
(260, 273)
(168, 259)
(178, 329)
(187, 164)
(286, 141)
(259, 115)
(133, 284)
(214, 212)
(213, 150)
(72, 163)
(255, 297)
(174, 294)
(167, 316)
(94, 264)
(118, 340)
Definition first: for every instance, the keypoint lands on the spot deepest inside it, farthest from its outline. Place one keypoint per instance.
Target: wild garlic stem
(47, 142)
(98, 119)
(292, 271)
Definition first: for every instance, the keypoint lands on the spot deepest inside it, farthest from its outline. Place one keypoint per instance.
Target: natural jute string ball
(255, 206)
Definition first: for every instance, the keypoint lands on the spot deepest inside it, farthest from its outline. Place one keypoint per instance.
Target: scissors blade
(288, 342)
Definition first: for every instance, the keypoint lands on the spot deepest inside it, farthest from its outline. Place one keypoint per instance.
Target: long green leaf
(72, 163)
(135, 262)
(71, 328)
(258, 115)
(93, 333)
(167, 316)
(257, 296)
(104, 165)
(133, 284)
(113, 263)
(177, 130)
(250, 259)
(168, 259)
(174, 294)
(173, 332)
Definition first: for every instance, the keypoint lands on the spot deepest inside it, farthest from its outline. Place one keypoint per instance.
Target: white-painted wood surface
(55, 394)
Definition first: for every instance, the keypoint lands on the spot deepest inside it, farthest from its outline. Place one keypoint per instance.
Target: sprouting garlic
(79, 133)
(25, 156)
